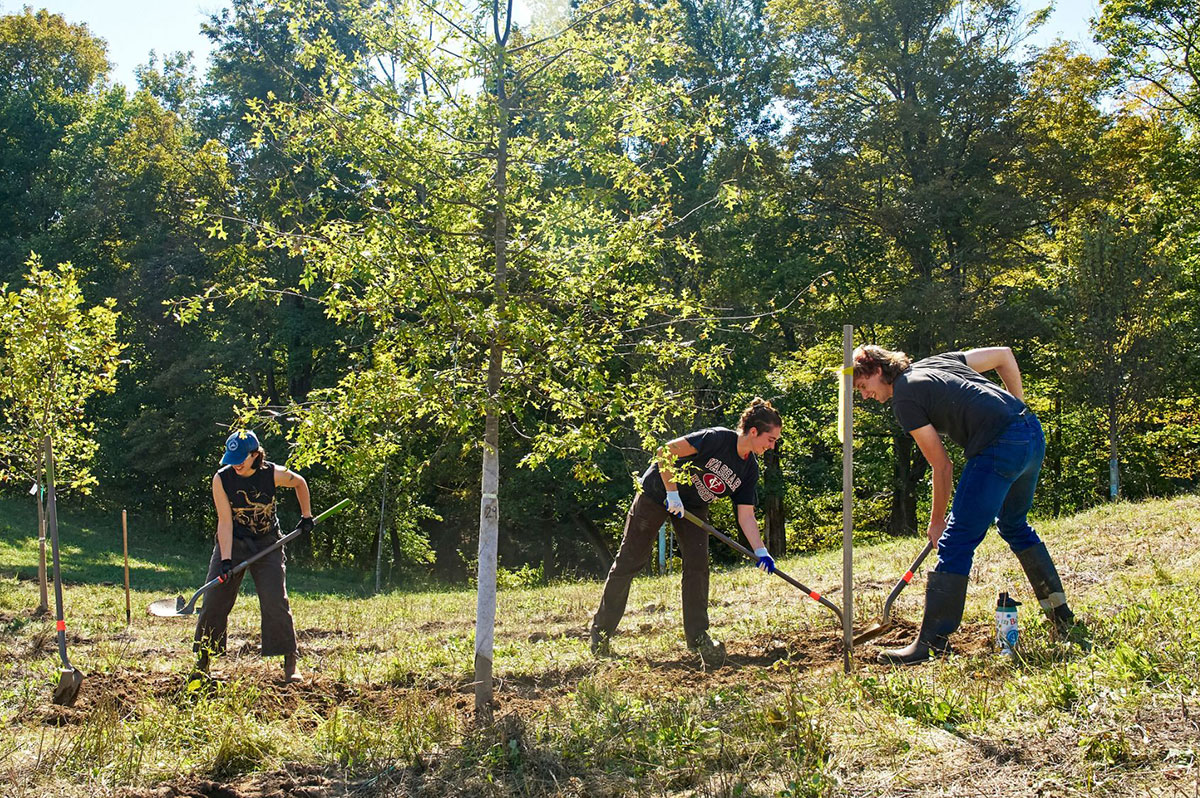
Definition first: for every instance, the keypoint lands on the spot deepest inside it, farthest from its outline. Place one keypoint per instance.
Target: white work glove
(674, 504)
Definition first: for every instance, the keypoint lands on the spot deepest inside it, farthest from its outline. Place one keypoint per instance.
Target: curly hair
(870, 360)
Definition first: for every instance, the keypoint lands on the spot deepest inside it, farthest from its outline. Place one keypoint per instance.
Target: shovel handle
(283, 541)
(904, 580)
(60, 622)
(721, 536)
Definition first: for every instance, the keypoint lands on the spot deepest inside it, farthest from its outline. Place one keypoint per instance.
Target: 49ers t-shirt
(716, 471)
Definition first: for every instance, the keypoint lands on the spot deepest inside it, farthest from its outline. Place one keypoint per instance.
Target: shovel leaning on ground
(885, 622)
(70, 678)
(728, 541)
(176, 607)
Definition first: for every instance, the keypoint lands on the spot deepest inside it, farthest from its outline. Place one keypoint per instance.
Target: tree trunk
(549, 563)
(379, 541)
(43, 607)
(1056, 502)
(593, 535)
(775, 533)
(489, 527)
(395, 538)
(908, 469)
(489, 503)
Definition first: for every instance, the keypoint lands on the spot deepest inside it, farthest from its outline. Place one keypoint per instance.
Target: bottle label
(1006, 631)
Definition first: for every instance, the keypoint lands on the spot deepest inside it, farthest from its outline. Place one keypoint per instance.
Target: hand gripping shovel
(176, 608)
(70, 679)
(812, 594)
(885, 623)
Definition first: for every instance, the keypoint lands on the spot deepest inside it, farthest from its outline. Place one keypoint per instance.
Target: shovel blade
(873, 631)
(170, 608)
(69, 682)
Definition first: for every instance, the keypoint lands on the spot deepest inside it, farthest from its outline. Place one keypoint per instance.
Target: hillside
(387, 708)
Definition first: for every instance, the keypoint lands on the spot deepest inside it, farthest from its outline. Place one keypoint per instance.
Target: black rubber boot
(1047, 586)
(945, 596)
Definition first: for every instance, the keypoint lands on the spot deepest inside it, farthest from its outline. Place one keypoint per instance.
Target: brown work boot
(291, 672)
(1048, 587)
(601, 644)
(199, 679)
(712, 652)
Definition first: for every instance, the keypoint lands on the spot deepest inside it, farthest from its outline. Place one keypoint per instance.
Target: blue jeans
(996, 484)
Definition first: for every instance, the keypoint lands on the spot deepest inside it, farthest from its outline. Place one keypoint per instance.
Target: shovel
(70, 679)
(728, 541)
(885, 623)
(176, 608)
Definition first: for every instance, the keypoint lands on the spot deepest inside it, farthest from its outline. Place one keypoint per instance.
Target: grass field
(387, 709)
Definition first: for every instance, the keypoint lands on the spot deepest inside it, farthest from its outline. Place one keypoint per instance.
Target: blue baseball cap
(239, 446)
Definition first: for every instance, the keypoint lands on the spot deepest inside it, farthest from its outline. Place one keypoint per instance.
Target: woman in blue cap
(244, 494)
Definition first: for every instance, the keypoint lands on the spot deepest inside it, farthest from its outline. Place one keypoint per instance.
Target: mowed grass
(388, 708)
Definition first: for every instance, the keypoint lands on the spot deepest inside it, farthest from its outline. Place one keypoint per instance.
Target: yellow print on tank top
(258, 517)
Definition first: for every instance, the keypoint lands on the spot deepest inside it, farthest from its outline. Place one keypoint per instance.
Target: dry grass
(388, 709)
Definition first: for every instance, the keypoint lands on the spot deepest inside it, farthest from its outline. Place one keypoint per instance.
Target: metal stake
(846, 427)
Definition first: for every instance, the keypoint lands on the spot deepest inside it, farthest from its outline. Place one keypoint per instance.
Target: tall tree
(48, 67)
(1156, 42)
(515, 189)
(55, 353)
(1118, 297)
(904, 130)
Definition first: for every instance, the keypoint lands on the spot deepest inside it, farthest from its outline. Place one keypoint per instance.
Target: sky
(132, 28)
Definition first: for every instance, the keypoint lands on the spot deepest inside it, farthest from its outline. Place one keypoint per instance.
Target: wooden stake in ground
(846, 433)
(379, 543)
(125, 546)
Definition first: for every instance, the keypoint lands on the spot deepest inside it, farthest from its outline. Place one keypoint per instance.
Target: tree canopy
(400, 238)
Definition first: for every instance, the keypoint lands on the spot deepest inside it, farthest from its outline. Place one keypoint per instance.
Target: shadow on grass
(90, 548)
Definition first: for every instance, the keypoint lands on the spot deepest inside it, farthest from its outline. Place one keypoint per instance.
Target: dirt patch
(576, 633)
(299, 782)
(971, 640)
(323, 634)
(122, 695)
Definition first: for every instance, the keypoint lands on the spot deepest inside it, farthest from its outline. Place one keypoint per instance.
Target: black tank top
(252, 499)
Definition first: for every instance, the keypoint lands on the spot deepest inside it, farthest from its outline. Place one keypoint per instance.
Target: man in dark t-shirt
(691, 472)
(947, 394)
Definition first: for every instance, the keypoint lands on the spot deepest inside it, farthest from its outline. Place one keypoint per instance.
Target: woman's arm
(678, 448)
(1003, 361)
(290, 479)
(749, 524)
(224, 519)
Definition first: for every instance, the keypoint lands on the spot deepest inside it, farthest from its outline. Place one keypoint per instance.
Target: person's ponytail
(760, 415)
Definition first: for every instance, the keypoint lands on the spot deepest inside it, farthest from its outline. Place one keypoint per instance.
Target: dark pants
(278, 632)
(996, 485)
(641, 530)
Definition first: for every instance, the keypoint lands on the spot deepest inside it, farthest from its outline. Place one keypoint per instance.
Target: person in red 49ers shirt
(690, 473)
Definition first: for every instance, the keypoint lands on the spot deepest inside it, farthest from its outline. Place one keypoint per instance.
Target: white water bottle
(1006, 623)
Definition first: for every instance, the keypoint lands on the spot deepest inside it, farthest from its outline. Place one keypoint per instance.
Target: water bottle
(1006, 623)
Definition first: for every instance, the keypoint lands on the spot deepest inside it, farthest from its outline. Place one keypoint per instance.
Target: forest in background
(696, 195)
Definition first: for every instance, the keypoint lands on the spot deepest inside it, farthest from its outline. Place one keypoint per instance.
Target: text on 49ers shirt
(716, 471)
